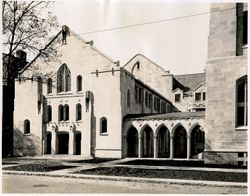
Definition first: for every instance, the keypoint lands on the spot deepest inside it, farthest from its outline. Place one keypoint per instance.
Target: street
(38, 184)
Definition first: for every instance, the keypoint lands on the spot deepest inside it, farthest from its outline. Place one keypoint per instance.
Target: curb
(133, 179)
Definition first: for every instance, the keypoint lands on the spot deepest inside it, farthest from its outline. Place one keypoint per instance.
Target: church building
(85, 103)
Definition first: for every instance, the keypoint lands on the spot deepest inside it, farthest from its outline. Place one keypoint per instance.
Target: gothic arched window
(128, 98)
(241, 103)
(49, 86)
(66, 112)
(26, 127)
(63, 79)
(79, 83)
(103, 125)
(78, 111)
(60, 113)
(49, 113)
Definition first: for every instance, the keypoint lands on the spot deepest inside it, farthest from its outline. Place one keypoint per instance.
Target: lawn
(180, 163)
(94, 160)
(167, 174)
(39, 166)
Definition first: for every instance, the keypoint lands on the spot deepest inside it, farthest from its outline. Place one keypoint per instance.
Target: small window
(177, 97)
(138, 65)
(26, 127)
(245, 27)
(79, 83)
(66, 112)
(204, 96)
(241, 104)
(49, 86)
(60, 112)
(128, 98)
(78, 112)
(39, 85)
(49, 113)
(103, 123)
(197, 96)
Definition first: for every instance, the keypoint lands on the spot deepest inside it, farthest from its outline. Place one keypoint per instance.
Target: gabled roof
(188, 82)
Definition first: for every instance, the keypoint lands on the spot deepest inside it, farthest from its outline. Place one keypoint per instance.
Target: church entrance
(48, 143)
(63, 143)
(78, 139)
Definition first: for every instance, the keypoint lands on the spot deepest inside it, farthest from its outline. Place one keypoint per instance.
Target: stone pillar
(71, 141)
(139, 147)
(188, 146)
(53, 141)
(171, 146)
(155, 147)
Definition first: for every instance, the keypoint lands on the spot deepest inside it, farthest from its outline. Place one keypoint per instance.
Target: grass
(169, 174)
(94, 160)
(181, 163)
(37, 168)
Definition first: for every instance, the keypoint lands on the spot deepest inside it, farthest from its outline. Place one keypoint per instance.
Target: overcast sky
(178, 45)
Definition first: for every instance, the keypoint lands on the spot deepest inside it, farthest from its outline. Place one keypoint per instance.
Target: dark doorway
(63, 143)
(197, 141)
(78, 143)
(163, 142)
(180, 143)
(132, 142)
(48, 144)
(147, 142)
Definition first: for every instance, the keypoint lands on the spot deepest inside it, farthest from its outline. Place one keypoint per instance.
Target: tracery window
(63, 79)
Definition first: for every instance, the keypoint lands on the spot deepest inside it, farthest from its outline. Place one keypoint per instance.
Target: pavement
(69, 172)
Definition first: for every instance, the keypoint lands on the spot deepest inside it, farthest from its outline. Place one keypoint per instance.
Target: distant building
(91, 106)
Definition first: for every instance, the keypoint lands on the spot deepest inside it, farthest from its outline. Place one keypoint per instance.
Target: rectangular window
(197, 96)
(177, 98)
(204, 96)
(138, 94)
(245, 28)
(150, 100)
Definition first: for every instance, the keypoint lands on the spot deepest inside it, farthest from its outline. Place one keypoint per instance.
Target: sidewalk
(70, 173)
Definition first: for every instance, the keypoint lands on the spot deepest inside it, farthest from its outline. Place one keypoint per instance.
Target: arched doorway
(78, 139)
(63, 143)
(132, 142)
(48, 143)
(180, 142)
(197, 141)
(147, 142)
(163, 141)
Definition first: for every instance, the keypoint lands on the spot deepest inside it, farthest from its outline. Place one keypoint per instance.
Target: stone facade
(226, 142)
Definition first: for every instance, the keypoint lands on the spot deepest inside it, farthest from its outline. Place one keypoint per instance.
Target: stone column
(71, 141)
(139, 147)
(188, 146)
(155, 147)
(171, 146)
(53, 141)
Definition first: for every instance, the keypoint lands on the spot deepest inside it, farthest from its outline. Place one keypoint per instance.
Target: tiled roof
(189, 81)
(173, 115)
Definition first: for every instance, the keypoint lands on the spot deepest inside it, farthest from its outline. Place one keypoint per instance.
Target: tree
(27, 26)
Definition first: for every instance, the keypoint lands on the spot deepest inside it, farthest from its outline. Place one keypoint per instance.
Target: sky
(177, 45)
